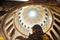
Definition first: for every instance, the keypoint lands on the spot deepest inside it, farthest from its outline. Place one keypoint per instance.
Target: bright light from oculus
(32, 13)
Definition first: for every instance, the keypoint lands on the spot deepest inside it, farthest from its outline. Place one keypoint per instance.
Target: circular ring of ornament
(30, 15)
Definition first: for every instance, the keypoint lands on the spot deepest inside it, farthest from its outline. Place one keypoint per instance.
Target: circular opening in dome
(32, 14)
